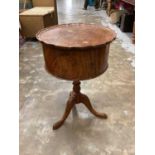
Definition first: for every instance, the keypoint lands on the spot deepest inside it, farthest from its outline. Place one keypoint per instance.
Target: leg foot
(69, 106)
(85, 100)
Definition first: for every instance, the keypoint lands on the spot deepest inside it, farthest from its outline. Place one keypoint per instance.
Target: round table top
(76, 35)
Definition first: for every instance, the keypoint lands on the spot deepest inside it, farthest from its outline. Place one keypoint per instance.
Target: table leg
(85, 100)
(69, 107)
(77, 97)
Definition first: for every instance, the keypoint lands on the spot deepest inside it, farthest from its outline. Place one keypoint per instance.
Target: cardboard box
(43, 3)
(35, 19)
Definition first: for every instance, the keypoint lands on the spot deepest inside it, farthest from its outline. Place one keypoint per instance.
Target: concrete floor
(43, 97)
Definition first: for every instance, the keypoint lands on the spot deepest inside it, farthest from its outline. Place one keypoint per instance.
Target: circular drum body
(74, 59)
(76, 64)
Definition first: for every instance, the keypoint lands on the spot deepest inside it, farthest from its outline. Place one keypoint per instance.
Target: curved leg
(85, 100)
(69, 106)
(75, 98)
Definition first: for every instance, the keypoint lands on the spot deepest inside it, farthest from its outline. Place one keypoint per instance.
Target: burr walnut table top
(76, 35)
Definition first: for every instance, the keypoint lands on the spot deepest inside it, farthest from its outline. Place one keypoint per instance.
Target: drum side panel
(78, 64)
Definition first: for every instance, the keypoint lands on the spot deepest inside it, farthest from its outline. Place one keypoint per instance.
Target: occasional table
(76, 52)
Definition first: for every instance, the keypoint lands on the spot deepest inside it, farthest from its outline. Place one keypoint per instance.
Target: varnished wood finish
(77, 97)
(76, 36)
(76, 64)
(76, 52)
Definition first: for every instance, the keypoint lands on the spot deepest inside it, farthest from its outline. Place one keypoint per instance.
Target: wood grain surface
(68, 57)
(76, 35)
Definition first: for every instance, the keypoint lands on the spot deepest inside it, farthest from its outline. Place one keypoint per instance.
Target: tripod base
(77, 97)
